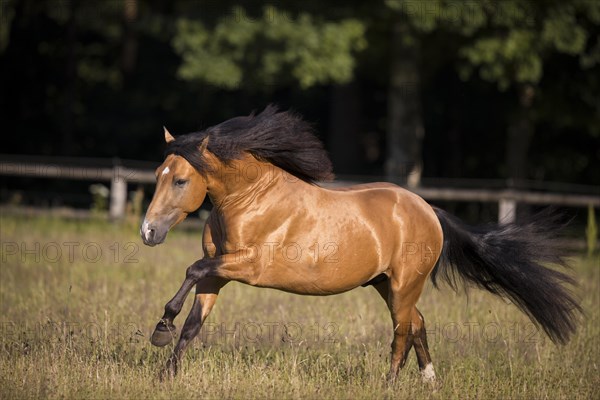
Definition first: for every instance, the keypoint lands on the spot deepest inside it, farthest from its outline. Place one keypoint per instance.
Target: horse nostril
(152, 234)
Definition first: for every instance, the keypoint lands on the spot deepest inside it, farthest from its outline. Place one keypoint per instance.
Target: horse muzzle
(153, 233)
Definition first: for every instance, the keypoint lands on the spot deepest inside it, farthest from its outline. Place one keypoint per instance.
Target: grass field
(78, 302)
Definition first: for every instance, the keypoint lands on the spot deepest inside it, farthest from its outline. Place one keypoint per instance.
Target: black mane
(281, 138)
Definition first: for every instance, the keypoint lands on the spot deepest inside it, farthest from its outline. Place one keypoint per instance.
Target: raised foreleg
(226, 268)
(207, 291)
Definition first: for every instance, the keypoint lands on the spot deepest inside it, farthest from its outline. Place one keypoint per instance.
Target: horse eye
(180, 182)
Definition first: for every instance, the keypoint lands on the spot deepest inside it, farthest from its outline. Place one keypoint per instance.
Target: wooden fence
(119, 176)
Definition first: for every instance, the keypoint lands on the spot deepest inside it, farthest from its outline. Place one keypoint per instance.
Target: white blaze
(165, 171)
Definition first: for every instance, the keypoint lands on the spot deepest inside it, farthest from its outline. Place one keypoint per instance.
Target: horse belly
(324, 267)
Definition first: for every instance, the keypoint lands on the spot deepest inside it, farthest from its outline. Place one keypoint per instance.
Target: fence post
(118, 193)
(507, 210)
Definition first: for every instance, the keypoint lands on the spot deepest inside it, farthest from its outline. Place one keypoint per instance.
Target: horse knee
(194, 272)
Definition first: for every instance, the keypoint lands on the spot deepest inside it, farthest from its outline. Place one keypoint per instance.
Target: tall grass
(76, 325)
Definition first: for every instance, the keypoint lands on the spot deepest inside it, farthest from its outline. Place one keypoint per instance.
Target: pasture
(79, 300)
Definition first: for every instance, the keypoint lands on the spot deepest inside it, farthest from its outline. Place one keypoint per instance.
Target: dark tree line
(403, 89)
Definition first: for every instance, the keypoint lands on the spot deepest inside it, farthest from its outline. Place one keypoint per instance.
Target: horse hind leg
(401, 343)
(403, 336)
(409, 326)
(421, 347)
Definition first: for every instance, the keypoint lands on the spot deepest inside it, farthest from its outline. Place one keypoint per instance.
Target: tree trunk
(344, 128)
(130, 44)
(405, 125)
(520, 134)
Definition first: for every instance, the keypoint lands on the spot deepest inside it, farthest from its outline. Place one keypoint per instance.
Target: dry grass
(76, 327)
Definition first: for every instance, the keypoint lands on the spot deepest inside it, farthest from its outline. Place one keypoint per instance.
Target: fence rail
(119, 176)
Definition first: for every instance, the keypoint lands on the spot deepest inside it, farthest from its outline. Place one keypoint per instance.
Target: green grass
(72, 326)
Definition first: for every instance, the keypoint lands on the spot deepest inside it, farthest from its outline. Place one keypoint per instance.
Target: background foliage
(471, 89)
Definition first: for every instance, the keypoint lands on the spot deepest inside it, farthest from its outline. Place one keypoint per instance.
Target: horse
(273, 226)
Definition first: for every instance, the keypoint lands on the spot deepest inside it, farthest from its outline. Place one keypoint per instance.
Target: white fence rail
(119, 176)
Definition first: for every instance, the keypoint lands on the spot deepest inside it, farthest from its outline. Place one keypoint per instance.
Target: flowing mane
(281, 138)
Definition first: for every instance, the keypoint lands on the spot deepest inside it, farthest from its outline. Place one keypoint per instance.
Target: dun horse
(273, 226)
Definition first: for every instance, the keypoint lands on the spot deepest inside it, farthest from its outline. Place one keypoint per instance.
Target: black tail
(507, 261)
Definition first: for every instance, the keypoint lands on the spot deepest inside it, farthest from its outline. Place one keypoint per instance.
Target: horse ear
(168, 137)
(203, 145)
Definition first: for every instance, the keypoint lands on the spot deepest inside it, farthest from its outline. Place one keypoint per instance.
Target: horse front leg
(165, 331)
(227, 267)
(207, 291)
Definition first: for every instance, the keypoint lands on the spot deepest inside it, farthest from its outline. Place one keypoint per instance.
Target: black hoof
(164, 333)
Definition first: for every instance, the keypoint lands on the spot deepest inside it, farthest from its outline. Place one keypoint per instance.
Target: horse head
(180, 190)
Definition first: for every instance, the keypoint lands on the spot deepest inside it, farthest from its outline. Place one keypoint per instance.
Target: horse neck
(241, 180)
